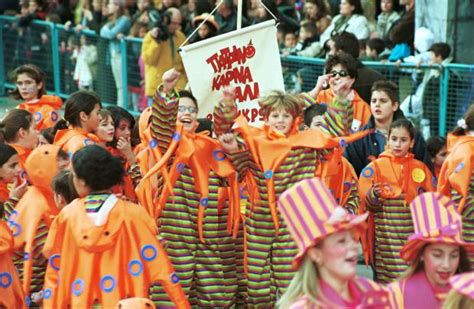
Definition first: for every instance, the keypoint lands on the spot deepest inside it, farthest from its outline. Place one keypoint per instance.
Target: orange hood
(41, 166)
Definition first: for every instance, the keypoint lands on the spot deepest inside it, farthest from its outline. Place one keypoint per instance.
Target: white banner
(247, 59)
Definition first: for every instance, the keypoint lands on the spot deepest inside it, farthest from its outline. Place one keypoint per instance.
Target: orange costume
(340, 177)
(105, 259)
(45, 110)
(11, 293)
(390, 222)
(341, 118)
(457, 180)
(71, 140)
(32, 216)
(23, 154)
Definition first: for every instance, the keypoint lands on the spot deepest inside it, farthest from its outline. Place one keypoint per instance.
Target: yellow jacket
(158, 58)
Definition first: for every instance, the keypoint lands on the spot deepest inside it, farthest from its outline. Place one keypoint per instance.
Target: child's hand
(321, 84)
(170, 79)
(228, 142)
(343, 88)
(125, 148)
(18, 190)
(377, 189)
(227, 105)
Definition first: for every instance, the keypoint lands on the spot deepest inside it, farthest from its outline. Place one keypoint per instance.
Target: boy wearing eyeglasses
(347, 112)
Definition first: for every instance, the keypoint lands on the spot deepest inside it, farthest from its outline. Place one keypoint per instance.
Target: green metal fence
(53, 48)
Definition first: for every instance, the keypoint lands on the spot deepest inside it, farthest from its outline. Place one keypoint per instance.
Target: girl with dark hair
(30, 87)
(17, 129)
(436, 251)
(436, 146)
(385, 109)
(386, 187)
(116, 237)
(9, 172)
(456, 177)
(317, 12)
(81, 119)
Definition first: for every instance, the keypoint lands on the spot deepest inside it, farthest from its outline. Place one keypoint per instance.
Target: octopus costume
(100, 253)
(45, 110)
(32, 216)
(11, 292)
(457, 180)
(196, 204)
(390, 220)
(271, 163)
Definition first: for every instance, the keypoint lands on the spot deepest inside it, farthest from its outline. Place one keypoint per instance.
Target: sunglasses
(341, 73)
(190, 109)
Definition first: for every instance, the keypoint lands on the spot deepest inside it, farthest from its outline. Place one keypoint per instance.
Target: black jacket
(358, 152)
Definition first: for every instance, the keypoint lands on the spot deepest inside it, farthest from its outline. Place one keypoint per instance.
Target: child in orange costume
(18, 129)
(272, 159)
(333, 169)
(347, 112)
(456, 177)
(102, 249)
(386, 187)
(10, 191)
(32, 216)
(11, 293)
(435, 251)
(81, 119)
(30, 86)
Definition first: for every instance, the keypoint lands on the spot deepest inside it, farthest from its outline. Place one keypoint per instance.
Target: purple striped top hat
(311, 213)
(463, 284)
(435, 220)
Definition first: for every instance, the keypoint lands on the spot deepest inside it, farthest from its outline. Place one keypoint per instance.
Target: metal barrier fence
(442, 94)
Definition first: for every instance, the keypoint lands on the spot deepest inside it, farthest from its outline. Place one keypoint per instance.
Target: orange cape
(202, 154)
(45, 110)
(36, 206)
(414, 176)
(11, 293)
(337, 174)
(456, 171)
(71, 140)
(106, 263)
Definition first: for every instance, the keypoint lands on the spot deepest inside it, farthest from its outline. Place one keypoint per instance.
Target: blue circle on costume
(88, 142)
(130, 268)
(347, 186)
(176, 136)
(219, 155)
(8, 278)
(342, 143)
(268, 174)
(146, 250)
(77, 287)
(54, 116)
(13, 225)
(52, 261)
(174, 278)
(204, 201)
(459, 167)
(26, 256)
(105, 281)
(38, 116)
(367, 172)
(13, 215)
(180, 167)
(153, 143)
(47, 293)
(23, 175)
(27, 301)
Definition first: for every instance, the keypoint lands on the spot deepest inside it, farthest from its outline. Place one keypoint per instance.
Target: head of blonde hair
(279, 100)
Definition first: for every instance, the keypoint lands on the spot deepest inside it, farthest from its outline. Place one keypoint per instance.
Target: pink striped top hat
(435, 220)
(463, 284)
(311, 213)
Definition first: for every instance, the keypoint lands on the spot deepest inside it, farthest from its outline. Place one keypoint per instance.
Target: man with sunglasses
(346, 111)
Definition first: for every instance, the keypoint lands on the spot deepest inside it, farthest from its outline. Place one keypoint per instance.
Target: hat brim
(211, 22)
(410, 251)
(358, 223)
